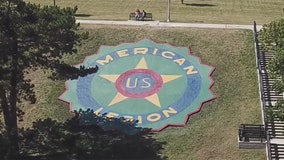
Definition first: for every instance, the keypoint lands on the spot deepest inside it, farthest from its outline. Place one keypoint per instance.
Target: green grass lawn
(194, 11)
(211, 134)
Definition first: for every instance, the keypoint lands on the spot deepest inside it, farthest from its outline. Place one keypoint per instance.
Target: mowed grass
(212, 133)
(194, 11)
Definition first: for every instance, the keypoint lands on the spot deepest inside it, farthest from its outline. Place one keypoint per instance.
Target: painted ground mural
(156, 85)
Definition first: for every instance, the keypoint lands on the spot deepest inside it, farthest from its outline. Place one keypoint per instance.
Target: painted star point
(154, 98)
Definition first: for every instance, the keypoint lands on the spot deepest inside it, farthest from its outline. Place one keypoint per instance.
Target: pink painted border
(189, 53)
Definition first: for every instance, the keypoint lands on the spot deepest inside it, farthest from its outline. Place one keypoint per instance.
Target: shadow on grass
(82, 15)
(51, 140)
(199, 5)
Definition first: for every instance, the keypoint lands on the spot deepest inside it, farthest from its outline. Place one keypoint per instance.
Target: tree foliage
(276, 70)
(33, 37)
(49, 139)
(276, 111)
(272, 40)
(272, 35)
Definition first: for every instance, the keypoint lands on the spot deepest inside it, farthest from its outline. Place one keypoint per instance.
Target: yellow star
(154, 98)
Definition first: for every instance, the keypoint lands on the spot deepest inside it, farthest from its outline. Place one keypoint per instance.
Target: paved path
(170, 24)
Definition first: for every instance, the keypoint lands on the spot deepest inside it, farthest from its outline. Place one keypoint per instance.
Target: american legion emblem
(157, 85)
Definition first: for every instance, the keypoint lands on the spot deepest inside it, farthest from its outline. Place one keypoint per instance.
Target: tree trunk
(12, 125)
(10, 120)
(9, 95)
(9, 108)
(10, 105)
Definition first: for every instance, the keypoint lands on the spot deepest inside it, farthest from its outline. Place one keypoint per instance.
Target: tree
(276, 111)
(272, 35)
(272, 39)
(276, 70)
(49, 139)
(32, 37)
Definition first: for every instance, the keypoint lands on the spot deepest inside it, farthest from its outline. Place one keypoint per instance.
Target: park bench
(148, 17)
(252, 132)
